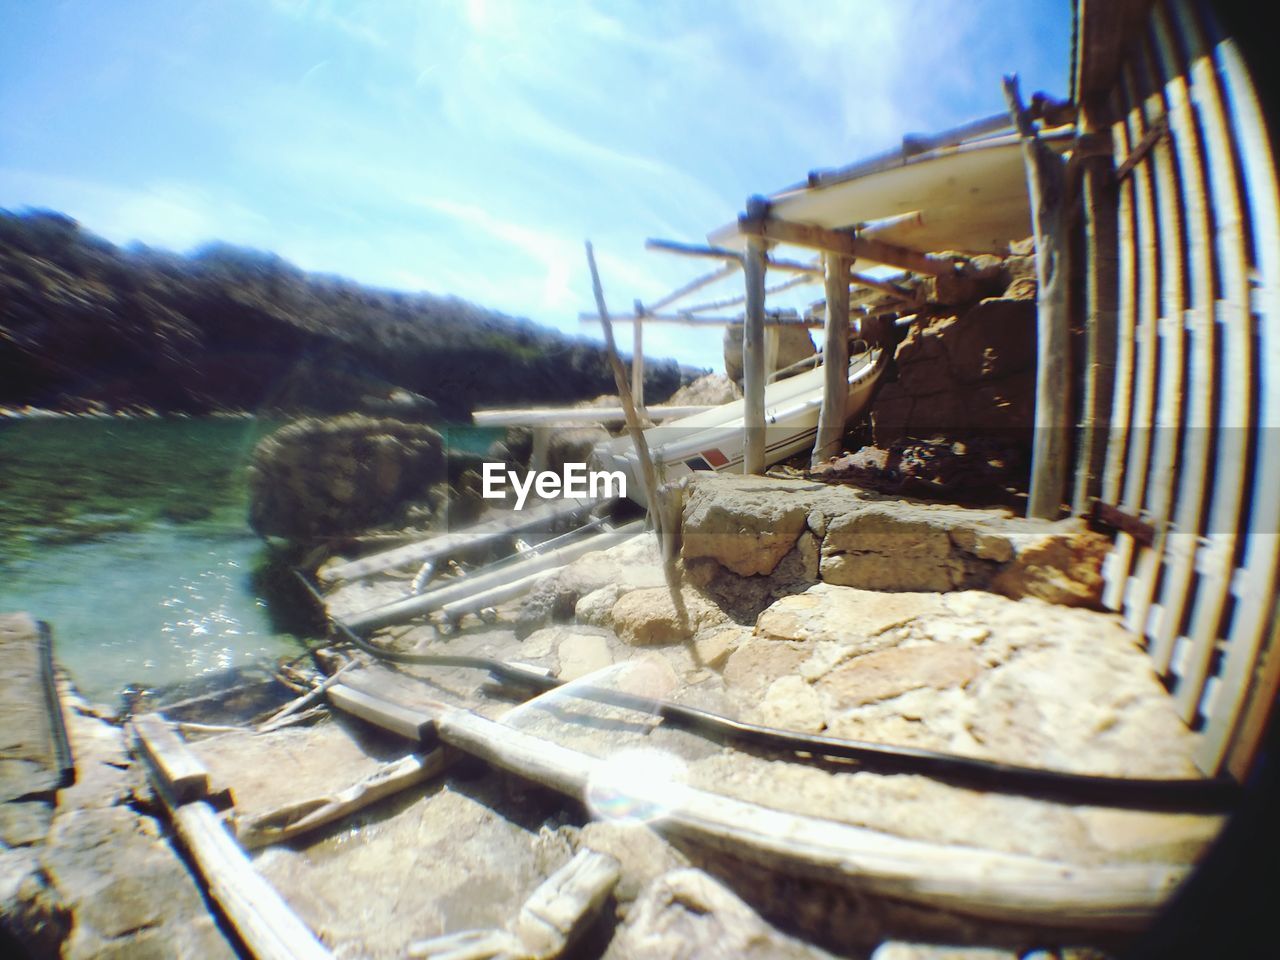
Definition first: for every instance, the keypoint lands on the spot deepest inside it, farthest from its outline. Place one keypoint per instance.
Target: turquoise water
(129, 537)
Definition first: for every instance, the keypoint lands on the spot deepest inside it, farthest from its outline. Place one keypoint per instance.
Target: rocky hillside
(86, 324)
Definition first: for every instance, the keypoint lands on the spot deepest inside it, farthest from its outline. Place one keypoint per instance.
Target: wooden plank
(265, 923)
(1104, 28)
(835, 358)
(753, 365)
(407, 722)
(1046, 185)
(1171, 348)
(449, 543)
(1258, 705)
(842, 242)
(1229, 331)
(1147, 343)
(176, 771)
(406, 608)
(1258, 581)
(1118, 563)
(968, 880)
(1122, 398)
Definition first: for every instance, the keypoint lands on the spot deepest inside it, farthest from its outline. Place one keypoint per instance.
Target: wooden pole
(1046, 184)
(634, 426)
(637, 357)
(671, 573)
(753, 357)
(835, 361)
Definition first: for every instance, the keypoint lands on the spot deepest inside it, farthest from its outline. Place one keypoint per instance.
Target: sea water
(130, 538)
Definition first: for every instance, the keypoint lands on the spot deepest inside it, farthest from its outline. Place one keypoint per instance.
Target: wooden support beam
(835, 362)
(694, 285)
(724, 253)
(796, 281)
(753, 368)
(1046, 184)
(843, 242)
(771, 319)
(1158, 131)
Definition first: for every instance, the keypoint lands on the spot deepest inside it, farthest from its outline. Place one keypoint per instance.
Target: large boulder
(794, 344)
(315, 478)
(711, 388)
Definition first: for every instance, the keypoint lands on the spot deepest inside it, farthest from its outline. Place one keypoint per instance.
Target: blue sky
(469, 146)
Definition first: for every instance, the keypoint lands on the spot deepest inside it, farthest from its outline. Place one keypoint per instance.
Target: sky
(469, 147)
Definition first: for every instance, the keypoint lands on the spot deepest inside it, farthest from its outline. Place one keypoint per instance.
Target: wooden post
(1101, 286)
(637, 357)
(835, 361)
(753, 373)
(1046, 184)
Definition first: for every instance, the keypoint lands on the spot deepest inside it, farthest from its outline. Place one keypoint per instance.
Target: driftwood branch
(548, 923)
(294, 819)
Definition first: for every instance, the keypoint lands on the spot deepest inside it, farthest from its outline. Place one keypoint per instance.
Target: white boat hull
(715, 440)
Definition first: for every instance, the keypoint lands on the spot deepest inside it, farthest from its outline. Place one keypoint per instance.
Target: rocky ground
(968, 631)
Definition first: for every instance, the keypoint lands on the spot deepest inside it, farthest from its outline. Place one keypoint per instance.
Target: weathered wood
(842, 242)
(724, 253)
(1227, 328)
(634, 425)
(1046, 185)
(637, 357)
(1156, 132)
(913, 144)
(407, 722)
(530, 416)
(565, 904)
(312, 696)
(1123, 433)
(971, 881)
(1103, 30)
(443, 545)
(1146, 378)
(753, 365)
(408, 607)
(797, 281)
(1258, 579)
(694, 285)
(265, 923)
(303, 816)
(772, 318)
(496, 595)
(835, 359)
(1167, 460)
(178, 774)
